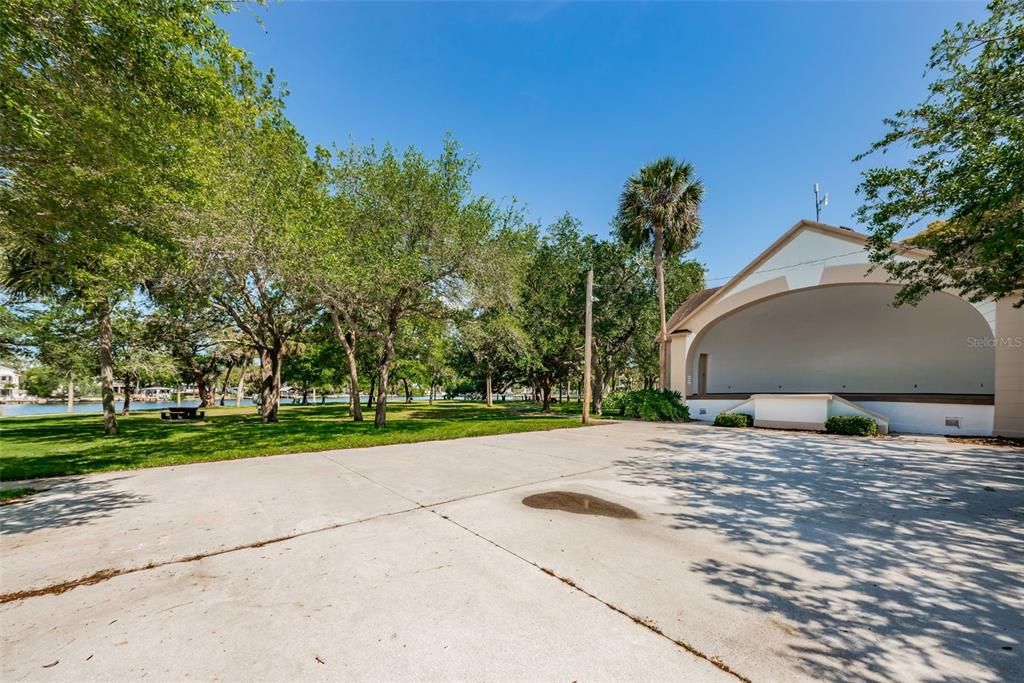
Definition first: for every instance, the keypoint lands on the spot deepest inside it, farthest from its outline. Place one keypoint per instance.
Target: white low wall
(930, 418)
(909, 418)
(785, 410)
(711, 407)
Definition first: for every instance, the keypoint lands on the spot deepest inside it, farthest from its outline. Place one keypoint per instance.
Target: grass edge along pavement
(66, 444)
(15, 494)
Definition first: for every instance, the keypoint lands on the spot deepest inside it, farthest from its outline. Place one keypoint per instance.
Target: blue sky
(561, 102)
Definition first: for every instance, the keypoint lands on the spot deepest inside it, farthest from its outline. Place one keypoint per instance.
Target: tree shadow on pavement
(913, 556)
(75, 502)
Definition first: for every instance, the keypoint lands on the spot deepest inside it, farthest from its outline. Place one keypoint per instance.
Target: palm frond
(663, 195)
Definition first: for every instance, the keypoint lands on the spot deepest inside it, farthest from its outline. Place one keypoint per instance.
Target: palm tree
(659, 207)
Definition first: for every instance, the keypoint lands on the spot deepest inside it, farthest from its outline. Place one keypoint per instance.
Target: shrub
(647, 404)
(612, 403)
(733, 420)
(853, 425)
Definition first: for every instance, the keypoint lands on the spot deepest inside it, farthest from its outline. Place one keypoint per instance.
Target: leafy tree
(102, 104)
(41, 381)
(307, 366)
(491, 331)
(194, 335)
(622, 287)
(416, 235)
(13, 327)
(552, 305)
(137, 355)
(682, 278)
(236, 356)
(263, 190)
(412, 350)
(968, 168)
(62, 337)
(660, 208)
(437, 362)
(323, 268)
(498, 346)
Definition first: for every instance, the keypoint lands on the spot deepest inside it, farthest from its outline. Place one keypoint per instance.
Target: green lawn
(52, 445)
(14, 494)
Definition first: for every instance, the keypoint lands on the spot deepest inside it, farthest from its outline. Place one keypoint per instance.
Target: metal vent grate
(953, 422)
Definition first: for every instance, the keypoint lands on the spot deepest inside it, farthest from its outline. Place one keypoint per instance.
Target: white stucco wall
(848, 339)
(909, 418)
(930, 418)
(803, 260)
(678, 347)
(1009, 351)
(789, 409)
(711, 408)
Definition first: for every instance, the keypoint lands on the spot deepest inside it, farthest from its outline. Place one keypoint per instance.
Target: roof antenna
(818, 203)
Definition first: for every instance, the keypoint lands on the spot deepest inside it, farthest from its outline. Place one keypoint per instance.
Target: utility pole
(818, 203)
(586, 348)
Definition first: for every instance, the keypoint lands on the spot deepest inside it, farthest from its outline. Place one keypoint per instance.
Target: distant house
(156, 393)
(10, 383)
(807, 331)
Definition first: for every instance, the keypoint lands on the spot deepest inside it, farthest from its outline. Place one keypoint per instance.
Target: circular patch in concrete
(578, 504)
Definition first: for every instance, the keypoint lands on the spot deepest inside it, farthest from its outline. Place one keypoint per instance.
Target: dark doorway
(702, 374)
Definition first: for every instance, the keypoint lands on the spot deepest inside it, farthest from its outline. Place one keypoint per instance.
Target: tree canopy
(103, 106)
(967, 168)
(163, 221)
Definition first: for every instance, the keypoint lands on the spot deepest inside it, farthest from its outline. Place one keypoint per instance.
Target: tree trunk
(205, 400)
(659, 270)
(270, 387)
(71, 392)
(408, 391)
(224, 384)
(545, 388)
(107, 371)
(373, 389)
(433, 384)
(598, 387)
(487, 390)
(348, 342)
(353, 388)
(380, 417)
(241, 384)
(127, 405)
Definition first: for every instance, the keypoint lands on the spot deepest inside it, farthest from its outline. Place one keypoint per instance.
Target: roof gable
(689, 305)
(798, 253)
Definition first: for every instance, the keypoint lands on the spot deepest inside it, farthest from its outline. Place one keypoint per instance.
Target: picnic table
(183, 414)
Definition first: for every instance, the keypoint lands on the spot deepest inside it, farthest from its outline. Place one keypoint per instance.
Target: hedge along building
(808, 330)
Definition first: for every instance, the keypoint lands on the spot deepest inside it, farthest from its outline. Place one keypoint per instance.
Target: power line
(789, 267)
